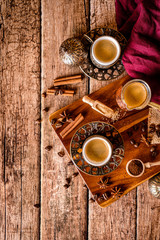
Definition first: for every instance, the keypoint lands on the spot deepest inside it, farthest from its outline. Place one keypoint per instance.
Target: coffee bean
(152, 125)
(143, 129)
(132, 141)
(154, 154)
(158, 127)
(91, 200)
(136, 145)
(66, 186)
(152, 130)
(68, 180)
(158, 133)
(153, 149)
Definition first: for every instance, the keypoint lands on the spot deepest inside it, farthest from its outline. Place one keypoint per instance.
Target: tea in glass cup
(135, 94)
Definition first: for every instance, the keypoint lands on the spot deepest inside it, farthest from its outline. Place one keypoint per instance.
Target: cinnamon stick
(65, 92)
(71, 126)
(68, 81)
(67, 78)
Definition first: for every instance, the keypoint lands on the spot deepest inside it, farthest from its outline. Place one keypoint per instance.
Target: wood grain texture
(119, 223)
(148, 210)
(20, 106)
(64, 211)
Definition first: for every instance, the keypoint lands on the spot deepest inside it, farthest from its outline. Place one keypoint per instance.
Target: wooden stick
(71, 126)
(68, 81)
(67, 78)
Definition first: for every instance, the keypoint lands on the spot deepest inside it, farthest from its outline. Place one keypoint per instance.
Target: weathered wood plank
(64, 211)
(117, 221)
(148, 209)
(20, 136)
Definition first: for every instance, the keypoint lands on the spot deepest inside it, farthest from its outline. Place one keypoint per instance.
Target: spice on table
(61, 153)
(66, 186)
(143, 129)
(37, 205)
(75, 174)
(46, 109)
(105, 196)
(65, 117)
(136, 145)
(135, 167)
(96, 196)
(39, 120)
(71, 126)
(158, 127)
(91, 200)
(158, 133)
(152, 128)
(48, 148)
(132, 141)
(103, 183)
(154, 154)
(44, 94)
(64, 92)
(53, 121)
(116, 192)
(68, 180)
(68, 80)
(153, 148)
(70, 163)
(144, 140)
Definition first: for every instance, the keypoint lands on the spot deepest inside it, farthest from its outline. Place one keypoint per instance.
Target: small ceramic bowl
(139, 175)
(108, 144)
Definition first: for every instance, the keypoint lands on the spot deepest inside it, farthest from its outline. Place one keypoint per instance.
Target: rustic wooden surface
(19, 108)
(65, 214)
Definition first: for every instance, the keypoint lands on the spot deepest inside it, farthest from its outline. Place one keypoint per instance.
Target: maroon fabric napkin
(139, 22)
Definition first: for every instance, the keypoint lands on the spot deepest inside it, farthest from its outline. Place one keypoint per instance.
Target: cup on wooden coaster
(135, 94)
(97, 150)
(104, 51)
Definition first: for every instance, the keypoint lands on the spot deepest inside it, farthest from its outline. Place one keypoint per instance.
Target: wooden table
(33, 201)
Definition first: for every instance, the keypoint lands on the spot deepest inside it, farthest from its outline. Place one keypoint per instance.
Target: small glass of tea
(135, 94)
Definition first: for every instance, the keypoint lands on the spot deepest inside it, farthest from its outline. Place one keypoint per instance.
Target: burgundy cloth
(139, 22)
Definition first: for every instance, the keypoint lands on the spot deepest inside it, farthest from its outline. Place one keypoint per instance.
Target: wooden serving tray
(119, 177)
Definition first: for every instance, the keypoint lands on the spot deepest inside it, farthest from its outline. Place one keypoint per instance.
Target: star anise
(116, 192)
(144, 140)
(105, 196)
(103, 183)
(64, 117)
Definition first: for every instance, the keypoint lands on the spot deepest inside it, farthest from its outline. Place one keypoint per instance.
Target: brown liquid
(96, 150)
(135, 95)
(105, 51)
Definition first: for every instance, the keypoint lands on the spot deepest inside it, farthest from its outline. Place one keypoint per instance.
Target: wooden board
(19, 109)
(119, 177)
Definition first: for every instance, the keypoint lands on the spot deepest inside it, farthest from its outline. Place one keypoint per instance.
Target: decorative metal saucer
(113, 71)
(99, 128)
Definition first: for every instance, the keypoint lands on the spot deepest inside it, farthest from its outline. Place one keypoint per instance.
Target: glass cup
(120, 99)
